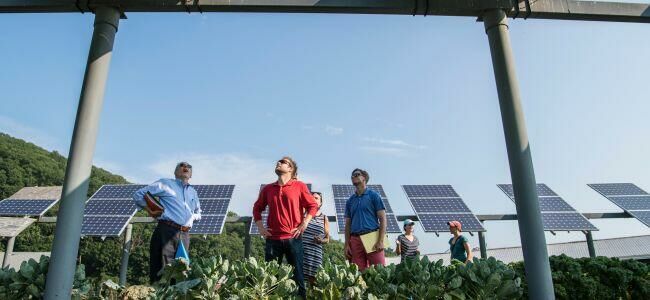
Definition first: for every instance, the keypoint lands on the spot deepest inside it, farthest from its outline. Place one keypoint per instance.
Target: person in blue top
(458, 245)
(364, 213)
(181, 209)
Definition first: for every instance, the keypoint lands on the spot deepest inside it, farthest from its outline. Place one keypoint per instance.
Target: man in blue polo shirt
(364, 213)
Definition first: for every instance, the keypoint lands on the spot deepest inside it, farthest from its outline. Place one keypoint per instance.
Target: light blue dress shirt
(181, 202)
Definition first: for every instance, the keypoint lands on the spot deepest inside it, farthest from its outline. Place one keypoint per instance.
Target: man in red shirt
(287, 199)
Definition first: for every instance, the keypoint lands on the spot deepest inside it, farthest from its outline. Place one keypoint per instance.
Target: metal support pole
(247, 239)
(531, 231)
(125, 254)
(590, 245)
(82, 147)
(481, 244)
(8, 251)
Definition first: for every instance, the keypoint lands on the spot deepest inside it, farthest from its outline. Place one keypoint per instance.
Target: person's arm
(326, 226)
(381, 215)
(398, 248)
(468, 249)
(258, 208)
(348, 254)
(155, 188)
(309, 204)
(197, 208)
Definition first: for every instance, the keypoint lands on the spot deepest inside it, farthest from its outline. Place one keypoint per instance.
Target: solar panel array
(25, 207)
(30, 202)
(342, 193)
(109, 210)
(435, 205)
(557, 214)
(627, 196)
(214, 201)
(265, 215)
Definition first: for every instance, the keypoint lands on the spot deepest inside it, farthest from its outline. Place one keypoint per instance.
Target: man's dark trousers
(292, 249)
(162, 248)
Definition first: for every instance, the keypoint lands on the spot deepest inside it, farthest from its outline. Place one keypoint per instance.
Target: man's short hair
(363, 172)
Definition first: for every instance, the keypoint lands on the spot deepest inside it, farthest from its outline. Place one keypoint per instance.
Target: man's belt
(174, 225)
(363, 232)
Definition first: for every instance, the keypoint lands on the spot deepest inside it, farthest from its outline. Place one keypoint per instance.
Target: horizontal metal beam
(511, 217)
(138, 220)
(540, 9)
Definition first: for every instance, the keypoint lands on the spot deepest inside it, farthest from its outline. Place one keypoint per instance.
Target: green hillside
(25, 164)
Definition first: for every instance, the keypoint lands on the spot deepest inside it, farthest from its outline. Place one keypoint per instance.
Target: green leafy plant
(29, 281)
(338, 282)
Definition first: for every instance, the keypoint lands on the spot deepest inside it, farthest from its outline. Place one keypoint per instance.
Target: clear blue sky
(410, 99)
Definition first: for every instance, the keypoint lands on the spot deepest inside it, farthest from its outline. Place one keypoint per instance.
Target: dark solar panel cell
(120, 191)
(430, 191)
(25, 207)
(642, 215)
(214, 206)
(208, 225)
(214, 191)
(632, 202)
(554, 204)
(392, 226)
(617, 189)
(542, 190)
(439, 205)
(111, 207)
(104, 225)
(438, 222)
(566, 221)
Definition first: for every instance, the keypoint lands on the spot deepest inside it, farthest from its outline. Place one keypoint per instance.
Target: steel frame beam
(541, 9)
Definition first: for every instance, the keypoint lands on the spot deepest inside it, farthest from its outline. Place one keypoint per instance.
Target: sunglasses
(356, 174)
(185, 165)
(286, 162)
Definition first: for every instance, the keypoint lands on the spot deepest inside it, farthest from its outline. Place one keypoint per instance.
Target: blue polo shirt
(362, 211)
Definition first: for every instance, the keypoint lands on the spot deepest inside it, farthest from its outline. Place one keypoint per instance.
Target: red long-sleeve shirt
(286, 206)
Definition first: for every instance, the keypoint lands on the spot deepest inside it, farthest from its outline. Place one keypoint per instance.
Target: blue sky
(410, 99)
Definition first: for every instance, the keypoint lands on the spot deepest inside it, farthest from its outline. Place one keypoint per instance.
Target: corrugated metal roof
(636, 247)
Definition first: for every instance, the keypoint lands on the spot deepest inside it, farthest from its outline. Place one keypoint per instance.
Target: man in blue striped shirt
(181, 209)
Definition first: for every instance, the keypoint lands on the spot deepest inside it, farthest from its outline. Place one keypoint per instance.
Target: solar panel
(339, 203)
(566, 221)
(617, 189)
(103, 225)
(554, 209)
(430, 191)
(642, 215)
(433, 205)
(627, 196)
(542, 190)
(110, 207)
(346, 190)
(253, 229)
(214, 191)
(208, 225)
(214, 206)
(438, 222)
(109, 210)
(117, 191)
(25, 207)
(391, 224)
(632, 202)
(554, 204)
(340, 219)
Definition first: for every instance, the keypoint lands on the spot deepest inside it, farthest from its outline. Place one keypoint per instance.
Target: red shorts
(363, 259)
